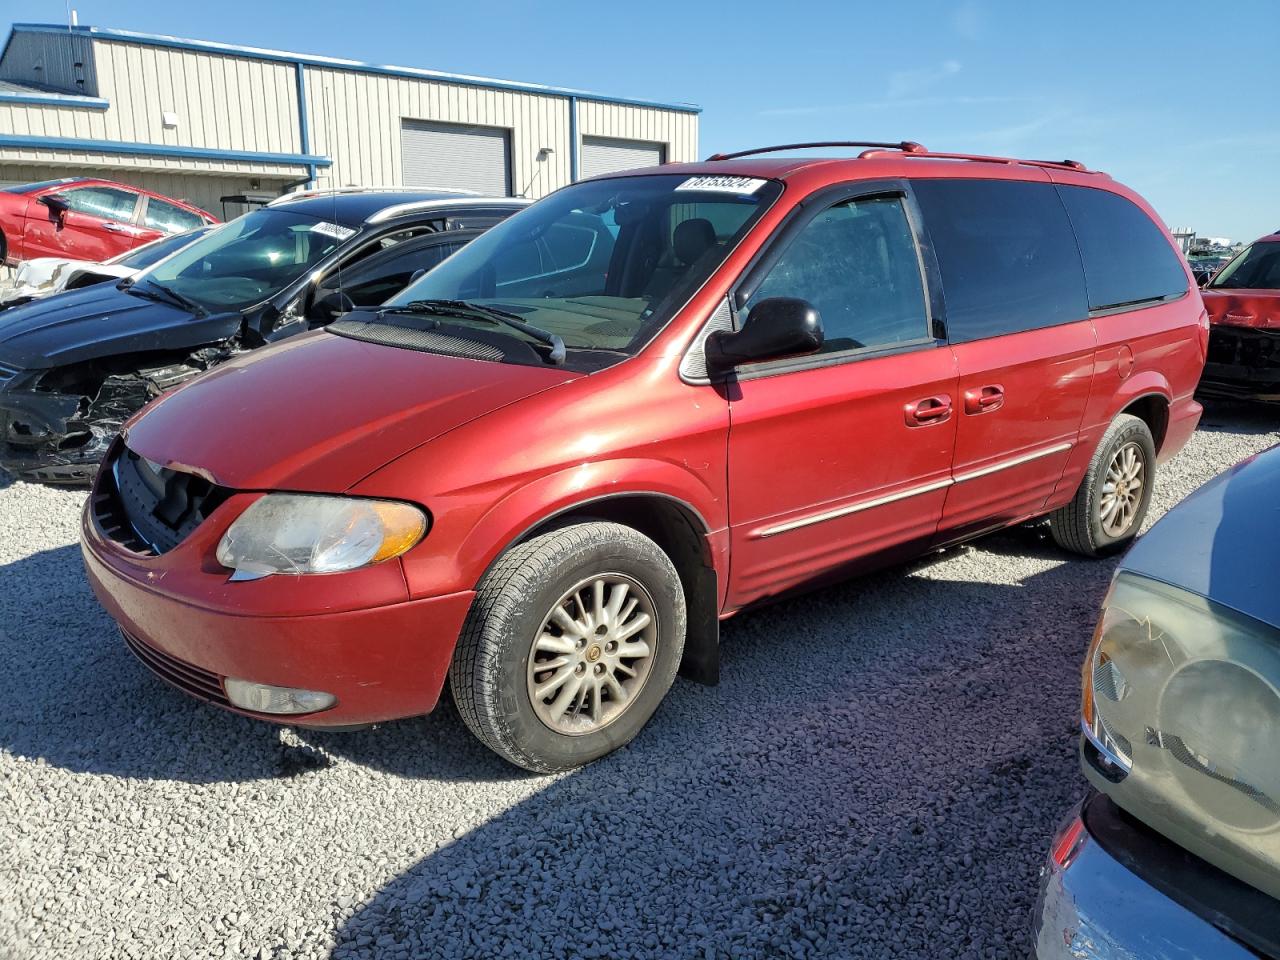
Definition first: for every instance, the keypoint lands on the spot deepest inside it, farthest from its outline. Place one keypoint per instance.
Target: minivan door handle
(921, 413)
(984, 399)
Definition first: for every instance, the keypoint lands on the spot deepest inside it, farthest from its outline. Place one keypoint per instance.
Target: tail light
(1069, 842)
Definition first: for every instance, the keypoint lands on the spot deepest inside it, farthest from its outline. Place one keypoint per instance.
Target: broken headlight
(305, 533)
(1182, 706)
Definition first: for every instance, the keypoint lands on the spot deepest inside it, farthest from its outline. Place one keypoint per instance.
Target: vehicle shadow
(1239, 416)
(870, 779)
(72, 695)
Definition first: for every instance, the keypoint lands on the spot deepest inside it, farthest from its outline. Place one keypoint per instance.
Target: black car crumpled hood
(101, 321)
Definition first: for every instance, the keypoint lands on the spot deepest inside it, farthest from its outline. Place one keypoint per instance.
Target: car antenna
(330, 127)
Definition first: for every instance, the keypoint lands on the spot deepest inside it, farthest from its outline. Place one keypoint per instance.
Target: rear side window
(1127, 259)
(1008, 259)
(169, 217)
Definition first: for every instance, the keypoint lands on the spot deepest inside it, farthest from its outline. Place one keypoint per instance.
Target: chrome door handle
(115, 227)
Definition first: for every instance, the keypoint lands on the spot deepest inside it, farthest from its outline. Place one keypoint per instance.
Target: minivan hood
(319, 412)
(101, 321)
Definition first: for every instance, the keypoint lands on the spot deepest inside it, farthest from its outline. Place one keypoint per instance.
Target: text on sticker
(335, 230)
(723, 184)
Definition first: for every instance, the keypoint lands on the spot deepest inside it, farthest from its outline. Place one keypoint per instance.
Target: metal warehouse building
(199, 120)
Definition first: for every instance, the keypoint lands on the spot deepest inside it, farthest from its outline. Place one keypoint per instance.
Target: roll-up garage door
(601, 155)
(453, 155)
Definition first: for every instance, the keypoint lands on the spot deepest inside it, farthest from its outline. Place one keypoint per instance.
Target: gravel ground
(877, 775)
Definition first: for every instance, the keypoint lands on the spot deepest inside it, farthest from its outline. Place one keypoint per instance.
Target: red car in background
(1243, 300)
(87, 219)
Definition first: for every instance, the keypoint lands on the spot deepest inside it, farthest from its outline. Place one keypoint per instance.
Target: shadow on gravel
(1241, 417)
(7, 479)
(73, 695)
(877, 775)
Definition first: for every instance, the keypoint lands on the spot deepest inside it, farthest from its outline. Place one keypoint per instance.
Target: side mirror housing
(56, 202)
(330, 307)
(777, 327)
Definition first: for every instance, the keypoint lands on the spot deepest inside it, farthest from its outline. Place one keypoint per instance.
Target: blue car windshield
(248, 260)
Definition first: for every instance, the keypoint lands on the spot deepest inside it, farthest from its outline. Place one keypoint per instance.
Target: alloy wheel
(1122, 490)
(592, 654)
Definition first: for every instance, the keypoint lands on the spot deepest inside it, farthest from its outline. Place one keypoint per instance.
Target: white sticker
(723, 184)
(335, 230)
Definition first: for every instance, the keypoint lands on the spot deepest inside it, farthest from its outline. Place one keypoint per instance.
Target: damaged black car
(74, 367)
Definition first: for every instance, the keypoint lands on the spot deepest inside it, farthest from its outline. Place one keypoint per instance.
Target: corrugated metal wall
(224, 103)
(355, 120)
(235, 103)
(679, 131)
(50, 59)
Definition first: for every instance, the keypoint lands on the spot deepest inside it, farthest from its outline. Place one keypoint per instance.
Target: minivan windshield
(246, 261)
(1257, 267)
(602, 264)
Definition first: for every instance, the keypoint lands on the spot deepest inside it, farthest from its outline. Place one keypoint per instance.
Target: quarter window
(169, 217)
(106, 203)
(1007, 255)
(1127, 259)
(857, 263)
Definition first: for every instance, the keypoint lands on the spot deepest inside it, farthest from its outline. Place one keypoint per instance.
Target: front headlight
(1181, 701)
(306, 533)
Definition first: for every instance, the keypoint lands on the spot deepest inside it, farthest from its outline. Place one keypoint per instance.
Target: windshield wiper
(474, 311)
(168, 294)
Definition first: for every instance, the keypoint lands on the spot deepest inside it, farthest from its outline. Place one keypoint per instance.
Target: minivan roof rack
(905, 146)
(979, 158)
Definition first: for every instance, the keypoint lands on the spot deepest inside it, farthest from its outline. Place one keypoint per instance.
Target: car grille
(1249, 348)
(200, 683)
(150, 509)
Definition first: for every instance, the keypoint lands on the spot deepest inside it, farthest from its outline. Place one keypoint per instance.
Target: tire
(511, 633)
(1081, 526)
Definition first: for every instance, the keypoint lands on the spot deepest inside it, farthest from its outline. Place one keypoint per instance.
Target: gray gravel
(877, 775)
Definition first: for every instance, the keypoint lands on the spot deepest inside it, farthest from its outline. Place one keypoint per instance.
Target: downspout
(573, 139)
(304, 130)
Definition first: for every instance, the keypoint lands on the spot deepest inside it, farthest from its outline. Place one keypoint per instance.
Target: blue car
(1176, 852)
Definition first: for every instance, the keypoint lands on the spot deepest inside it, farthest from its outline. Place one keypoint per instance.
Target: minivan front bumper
(1096, 908)
(381, 662)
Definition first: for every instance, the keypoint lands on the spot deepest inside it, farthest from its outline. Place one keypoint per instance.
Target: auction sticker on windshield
(335, 230)
(723, 184)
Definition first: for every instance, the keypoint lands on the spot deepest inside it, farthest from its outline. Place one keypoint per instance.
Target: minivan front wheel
(1112, 501)
(573, 640)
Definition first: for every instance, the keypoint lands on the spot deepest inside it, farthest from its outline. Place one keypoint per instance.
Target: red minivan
(549, 468)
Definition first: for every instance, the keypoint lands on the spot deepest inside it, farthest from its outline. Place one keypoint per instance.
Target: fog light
(264, 698)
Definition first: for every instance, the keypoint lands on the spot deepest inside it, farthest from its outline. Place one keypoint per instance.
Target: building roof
(335, 63)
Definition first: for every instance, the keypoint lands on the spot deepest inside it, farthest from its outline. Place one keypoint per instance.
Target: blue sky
(1176, 99)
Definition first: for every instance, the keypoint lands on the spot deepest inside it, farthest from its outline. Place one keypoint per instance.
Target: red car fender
(1142, 384)
(449, 563)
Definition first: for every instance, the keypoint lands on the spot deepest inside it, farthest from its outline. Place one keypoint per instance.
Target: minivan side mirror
(777, 327)
(56, 202)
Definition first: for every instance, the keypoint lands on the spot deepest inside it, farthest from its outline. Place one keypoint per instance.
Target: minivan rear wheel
(573, 640)
(1111, 503)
